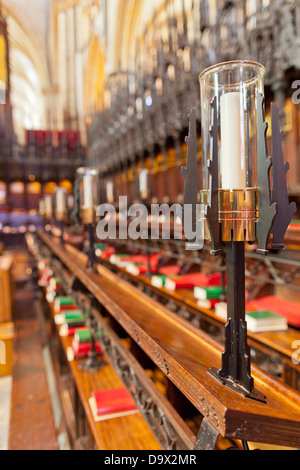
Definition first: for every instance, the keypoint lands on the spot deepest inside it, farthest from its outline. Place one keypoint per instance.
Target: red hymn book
(113, 403)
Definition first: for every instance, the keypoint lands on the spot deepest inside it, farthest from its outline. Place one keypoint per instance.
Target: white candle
(60, 201)
(42, 208)
(110, 192)
(143, 182)
(48, 206)
(88, 191)
(233, 141)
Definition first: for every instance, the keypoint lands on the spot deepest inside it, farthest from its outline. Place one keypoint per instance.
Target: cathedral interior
(150, 226)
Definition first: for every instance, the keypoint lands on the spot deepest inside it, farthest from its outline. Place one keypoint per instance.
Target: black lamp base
(92, 364)
(228, 382)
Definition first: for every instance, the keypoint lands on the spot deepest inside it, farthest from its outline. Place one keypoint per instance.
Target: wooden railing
(185, 354)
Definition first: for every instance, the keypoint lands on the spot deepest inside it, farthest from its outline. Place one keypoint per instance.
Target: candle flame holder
(88, 182)
(242, 202)
(238, 214)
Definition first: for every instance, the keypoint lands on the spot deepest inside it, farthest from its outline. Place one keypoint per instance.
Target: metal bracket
(212, 210)
(190, 173)
(236, 360)
(207, 437)
(91, 264)
(267, 211)
(286, 211)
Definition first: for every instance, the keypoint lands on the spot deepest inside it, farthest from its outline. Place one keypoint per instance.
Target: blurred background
(110, 84)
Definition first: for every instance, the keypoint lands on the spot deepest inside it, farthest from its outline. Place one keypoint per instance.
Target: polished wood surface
(6, 288)
(125, 433)
(277, 341)
(31, 419)
(184, 354)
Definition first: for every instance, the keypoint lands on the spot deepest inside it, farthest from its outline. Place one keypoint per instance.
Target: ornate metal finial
(266, 209)
(190, 172)
(212, 209)
(285, 210)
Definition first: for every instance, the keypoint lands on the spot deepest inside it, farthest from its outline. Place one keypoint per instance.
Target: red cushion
(290, 310)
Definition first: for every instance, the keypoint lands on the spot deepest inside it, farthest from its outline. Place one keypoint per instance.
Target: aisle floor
(5, 400)
(29, 399)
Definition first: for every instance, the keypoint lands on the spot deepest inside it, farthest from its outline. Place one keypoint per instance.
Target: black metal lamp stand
(274, 214)
(92, 363)
(236, 361)
(92, 263)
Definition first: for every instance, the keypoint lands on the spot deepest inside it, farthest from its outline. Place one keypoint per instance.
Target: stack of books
(287, 309)
(119, 260)
(81, 344)
(46, 275)
(63, 303)
(104, 251)
(258, 322)
(55, 284)
(208, 297)
(114, 403)
(137, 265)
(66, 315)
(221, 310)
(160, 280)
(189, 281)
(170, 271)
(73, 320)
(140, 269)
(43, 264)
(54, 287)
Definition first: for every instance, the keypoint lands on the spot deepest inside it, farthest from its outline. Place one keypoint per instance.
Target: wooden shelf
(125, 433)
(185, 354)
(278, 342)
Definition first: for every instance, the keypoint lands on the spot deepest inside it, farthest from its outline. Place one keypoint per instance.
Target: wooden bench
(76, 387)
(273, 345)
(184, 354)
(6, 288)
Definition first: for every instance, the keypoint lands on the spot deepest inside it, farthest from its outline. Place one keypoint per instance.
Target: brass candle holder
(88, 181)
(242, 203)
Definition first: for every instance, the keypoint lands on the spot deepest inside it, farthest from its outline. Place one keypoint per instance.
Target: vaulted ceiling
(45, 80)
(27, 28)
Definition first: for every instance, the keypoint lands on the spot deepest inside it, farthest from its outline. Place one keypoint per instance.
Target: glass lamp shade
(88, 179)
(229, 112)
(235, 86)
(60, 204)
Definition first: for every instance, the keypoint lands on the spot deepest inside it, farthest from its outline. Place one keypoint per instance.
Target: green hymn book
(262, 321)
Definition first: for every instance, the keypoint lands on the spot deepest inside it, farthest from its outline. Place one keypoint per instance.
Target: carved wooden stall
(159, 104)
(184, 354)
(161, 343)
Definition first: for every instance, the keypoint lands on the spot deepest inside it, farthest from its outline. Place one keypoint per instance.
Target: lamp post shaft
(234, 363)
